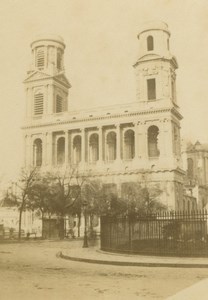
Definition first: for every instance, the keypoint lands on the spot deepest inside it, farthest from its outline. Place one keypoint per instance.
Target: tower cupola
(48, 54)
(154, 39)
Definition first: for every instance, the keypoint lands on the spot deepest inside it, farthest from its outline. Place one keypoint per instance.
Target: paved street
(31, 270)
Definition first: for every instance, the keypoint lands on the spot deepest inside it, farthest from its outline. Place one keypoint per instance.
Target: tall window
(129, 144)
(94, 147)
(38, 104)
(37, 153)
(150, 43)
(153, 133)
(77, 149)
(61, 151)
(40, 58)
(151, 89)
(111, 146)
(60, 107)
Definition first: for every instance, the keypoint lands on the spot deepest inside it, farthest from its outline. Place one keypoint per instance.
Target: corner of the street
(93, 254)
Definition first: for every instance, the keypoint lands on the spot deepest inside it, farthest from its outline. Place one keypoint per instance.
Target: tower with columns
(135, 142)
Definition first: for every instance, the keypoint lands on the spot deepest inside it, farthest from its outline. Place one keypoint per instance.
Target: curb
(132, 264)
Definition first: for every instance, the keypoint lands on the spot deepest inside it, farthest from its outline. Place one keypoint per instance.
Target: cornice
(100, 117)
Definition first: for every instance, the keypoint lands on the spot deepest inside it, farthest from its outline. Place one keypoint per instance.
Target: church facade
(132, 142)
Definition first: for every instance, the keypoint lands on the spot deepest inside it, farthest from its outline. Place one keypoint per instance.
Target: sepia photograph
(104, 150)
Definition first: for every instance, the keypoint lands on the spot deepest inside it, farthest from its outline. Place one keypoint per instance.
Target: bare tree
(66, 193)
(20, 198)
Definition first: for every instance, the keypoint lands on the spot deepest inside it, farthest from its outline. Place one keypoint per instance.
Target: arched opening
(153, 133)
(150, 43)
(61, 151)
(111, 146)
(37, 153)
(77, 149)
(94, 147)
(129, 144)
(190, 168)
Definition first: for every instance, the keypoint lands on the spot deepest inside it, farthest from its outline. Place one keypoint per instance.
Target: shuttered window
(38, 104)
(40, 58)
(59, 104)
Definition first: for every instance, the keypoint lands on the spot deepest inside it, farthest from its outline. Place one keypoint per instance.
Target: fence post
(130, 237)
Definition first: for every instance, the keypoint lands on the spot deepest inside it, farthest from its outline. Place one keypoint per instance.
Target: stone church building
(134, 142)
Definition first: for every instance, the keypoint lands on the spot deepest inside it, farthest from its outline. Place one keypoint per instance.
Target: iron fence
(167, 233)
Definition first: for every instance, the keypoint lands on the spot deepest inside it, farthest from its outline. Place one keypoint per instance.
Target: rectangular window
(40, 58)
(59, 104)
(151, 89)
(38, 104)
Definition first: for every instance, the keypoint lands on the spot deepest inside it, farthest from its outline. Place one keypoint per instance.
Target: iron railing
(166, 233)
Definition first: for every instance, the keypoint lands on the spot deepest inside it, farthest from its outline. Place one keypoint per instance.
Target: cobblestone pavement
(31, 270)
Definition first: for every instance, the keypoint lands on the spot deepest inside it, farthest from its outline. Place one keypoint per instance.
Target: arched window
(40, 58)
(190, 168)
(94, 147)
(38, 103)
(59, 104)
(129, 144)
(150, 43)
(111, 146)
(37, 153)
(77, 149)
(61, 151)
(153, 132)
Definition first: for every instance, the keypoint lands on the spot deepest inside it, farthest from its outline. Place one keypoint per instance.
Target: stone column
(49, 148)
(44, 149)
(83, 146)
(31, 150)
(136, 146)
(100, 133)
(45, 103)
(142, 140)
(50, 98)
(27, 150)
(66, 147)
(118, 143)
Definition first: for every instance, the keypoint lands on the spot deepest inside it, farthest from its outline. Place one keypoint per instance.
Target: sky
(101, 48)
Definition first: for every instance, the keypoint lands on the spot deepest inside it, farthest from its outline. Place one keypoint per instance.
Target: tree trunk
(79, 221)
(42, 223)
(20, 224)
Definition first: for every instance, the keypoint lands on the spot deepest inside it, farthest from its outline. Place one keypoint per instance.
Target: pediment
(37, 75)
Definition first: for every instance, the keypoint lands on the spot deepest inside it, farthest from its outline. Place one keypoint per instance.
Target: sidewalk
(93, 254)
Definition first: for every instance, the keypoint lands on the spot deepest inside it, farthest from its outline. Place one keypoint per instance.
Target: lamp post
(85, 244)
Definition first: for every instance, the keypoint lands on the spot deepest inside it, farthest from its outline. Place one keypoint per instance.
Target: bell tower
(156, 95)
(46, 84)
(155, 67)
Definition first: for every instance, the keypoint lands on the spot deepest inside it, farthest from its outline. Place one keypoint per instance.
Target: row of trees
(65, 194)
